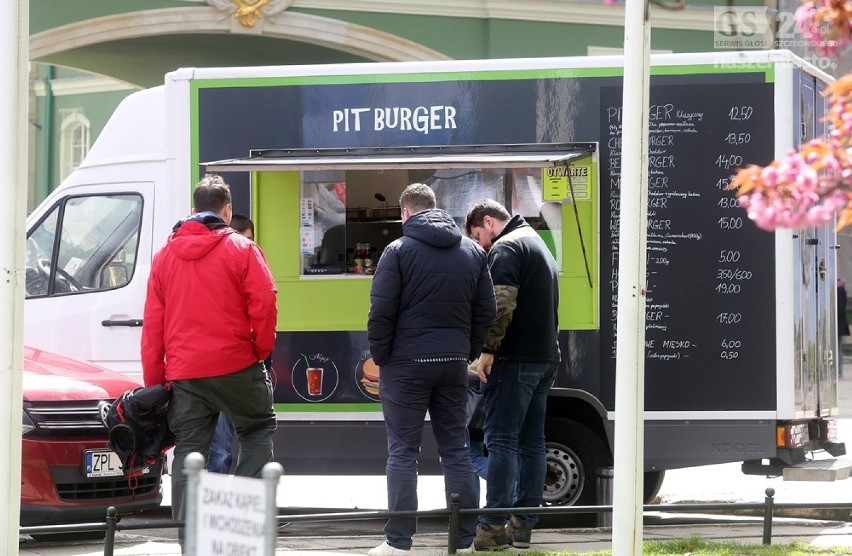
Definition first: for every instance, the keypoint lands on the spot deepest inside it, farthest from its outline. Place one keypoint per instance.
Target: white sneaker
(385, 549)
(469, 550)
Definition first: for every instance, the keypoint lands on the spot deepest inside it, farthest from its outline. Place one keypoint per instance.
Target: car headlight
(28, 425)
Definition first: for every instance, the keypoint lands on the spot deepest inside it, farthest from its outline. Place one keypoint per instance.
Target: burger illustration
(370, 377)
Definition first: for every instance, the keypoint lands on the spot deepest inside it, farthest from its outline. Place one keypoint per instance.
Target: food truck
(741, 339)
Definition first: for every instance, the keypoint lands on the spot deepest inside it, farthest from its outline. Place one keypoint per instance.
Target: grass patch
(696, 546)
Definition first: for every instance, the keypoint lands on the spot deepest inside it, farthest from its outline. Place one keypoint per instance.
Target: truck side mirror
(114, 275)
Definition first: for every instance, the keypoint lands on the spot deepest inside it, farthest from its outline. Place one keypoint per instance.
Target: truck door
(816, 326)
(87, 265)
(816, 313)
(832, 349)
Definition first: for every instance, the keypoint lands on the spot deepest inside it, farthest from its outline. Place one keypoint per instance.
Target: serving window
(349, 197)
(348, 217)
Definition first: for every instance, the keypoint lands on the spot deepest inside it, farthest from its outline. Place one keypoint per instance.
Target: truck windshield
(85, 243)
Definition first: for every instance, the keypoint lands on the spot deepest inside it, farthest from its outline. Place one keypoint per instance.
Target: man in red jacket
(209, 323)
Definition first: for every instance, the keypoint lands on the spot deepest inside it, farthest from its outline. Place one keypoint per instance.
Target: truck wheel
(653, 484)
(574, 452)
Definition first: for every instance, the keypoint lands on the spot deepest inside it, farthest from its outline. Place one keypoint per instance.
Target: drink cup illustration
(314, 376)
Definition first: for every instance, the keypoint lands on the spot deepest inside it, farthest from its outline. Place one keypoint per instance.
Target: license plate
(103, 463)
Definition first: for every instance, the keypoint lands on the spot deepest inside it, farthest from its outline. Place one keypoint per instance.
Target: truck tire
(653, 484)
(574, 453)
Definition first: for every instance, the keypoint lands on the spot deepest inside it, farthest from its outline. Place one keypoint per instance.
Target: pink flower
(804, 16)
(826, 24)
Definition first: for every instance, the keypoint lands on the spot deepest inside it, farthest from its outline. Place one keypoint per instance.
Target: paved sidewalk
(744, 531)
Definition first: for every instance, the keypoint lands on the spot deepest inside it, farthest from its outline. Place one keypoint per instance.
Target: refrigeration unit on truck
(740, 330)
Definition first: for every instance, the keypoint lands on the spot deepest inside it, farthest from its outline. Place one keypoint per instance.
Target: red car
(68, 474)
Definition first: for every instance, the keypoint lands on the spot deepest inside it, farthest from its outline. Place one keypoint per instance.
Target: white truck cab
(90, 243)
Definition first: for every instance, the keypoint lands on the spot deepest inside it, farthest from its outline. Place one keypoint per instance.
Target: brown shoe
(518, 534)
(490, 537)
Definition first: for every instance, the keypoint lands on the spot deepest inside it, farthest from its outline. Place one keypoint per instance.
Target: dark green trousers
(246, 397)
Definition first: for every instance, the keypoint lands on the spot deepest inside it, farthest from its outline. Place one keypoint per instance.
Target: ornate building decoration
(247, 12)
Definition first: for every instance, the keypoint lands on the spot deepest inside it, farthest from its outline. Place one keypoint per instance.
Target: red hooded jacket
(210, 308)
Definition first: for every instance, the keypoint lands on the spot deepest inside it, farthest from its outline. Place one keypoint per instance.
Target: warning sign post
(227, 515)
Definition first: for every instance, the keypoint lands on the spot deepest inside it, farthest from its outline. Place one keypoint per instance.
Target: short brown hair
(418, 197)
(485, 207)
(211, 194)
(241, 223)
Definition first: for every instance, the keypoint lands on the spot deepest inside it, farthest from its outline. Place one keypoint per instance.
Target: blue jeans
(408, 390)
(480, 463)
(220, 450)
(478, 458)
(515, 408)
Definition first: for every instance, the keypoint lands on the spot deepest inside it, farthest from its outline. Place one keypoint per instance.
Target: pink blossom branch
(808, 186)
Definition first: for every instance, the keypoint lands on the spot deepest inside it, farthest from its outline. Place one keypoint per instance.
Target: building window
(74, 141)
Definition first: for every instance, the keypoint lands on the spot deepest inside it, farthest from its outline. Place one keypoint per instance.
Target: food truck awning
(528, 155)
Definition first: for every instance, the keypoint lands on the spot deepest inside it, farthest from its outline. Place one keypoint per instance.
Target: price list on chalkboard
(709, 319)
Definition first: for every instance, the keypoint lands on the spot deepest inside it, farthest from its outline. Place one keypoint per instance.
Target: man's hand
(483, 366)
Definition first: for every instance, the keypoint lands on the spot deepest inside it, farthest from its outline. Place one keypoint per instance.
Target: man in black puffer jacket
(432, 304)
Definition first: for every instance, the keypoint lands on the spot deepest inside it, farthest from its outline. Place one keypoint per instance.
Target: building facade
(87, 56)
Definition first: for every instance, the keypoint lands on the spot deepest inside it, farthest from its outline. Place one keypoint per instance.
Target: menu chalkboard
(710, 306)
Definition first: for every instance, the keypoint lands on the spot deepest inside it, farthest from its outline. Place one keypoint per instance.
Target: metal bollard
(768, 510)
(271, 474)
(452, 539)
(604, 494)
(109, 538)
(193, 466)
